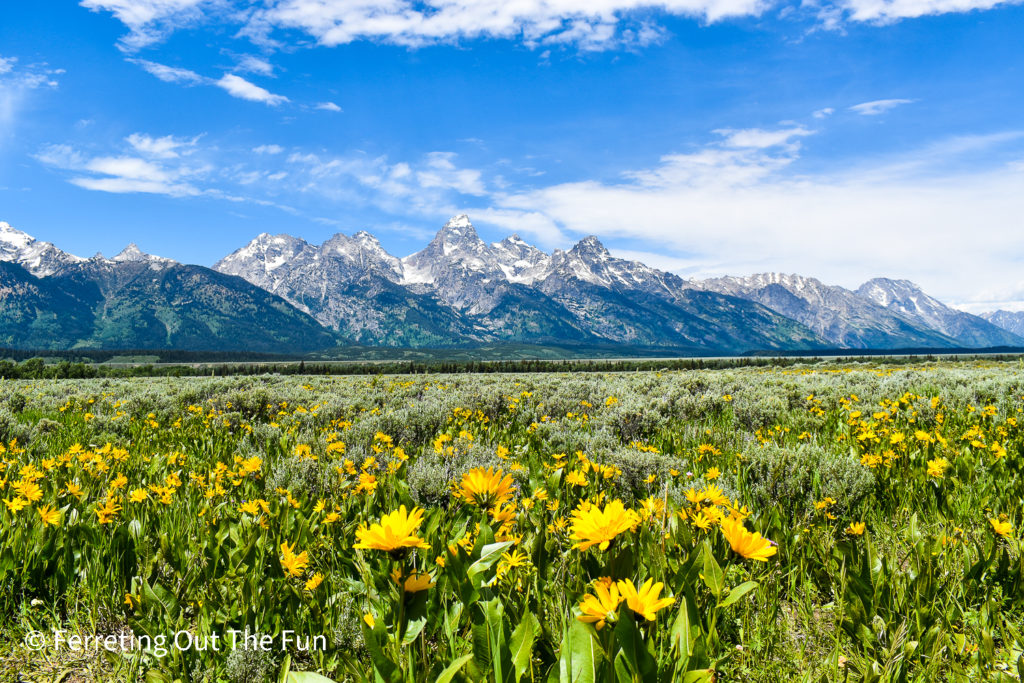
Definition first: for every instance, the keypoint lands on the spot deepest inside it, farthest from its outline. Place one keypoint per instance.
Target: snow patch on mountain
(39, 258)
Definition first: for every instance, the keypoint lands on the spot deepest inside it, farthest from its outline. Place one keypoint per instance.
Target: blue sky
(842, 140)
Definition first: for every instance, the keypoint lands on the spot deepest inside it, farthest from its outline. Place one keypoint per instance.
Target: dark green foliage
(134, 305)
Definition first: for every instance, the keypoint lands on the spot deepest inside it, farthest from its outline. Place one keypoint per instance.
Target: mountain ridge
(460, 290)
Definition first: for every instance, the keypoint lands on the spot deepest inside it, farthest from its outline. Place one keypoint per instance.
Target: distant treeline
(38, 368)
(164, 355)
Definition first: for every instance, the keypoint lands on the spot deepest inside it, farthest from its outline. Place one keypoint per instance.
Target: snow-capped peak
(591, 247)
(39, 258)
(13, 238)
(458, 234)
(459, 222)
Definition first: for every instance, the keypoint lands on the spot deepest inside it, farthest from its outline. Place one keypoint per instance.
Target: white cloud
(584, 24)
(255, 65)
(16, 88)
(1015, 302)
(589, 24)
(429, 186)
(441, 172)
(758, 138)
(61, 156)
(876, 107)
(328, 106)
(735, 211)
(268, 149)
(888, 11)
(167, 147)
(149, 21)
(660, 260)
(236, 86)
(170, 74)
(160, 174)
(823, 113)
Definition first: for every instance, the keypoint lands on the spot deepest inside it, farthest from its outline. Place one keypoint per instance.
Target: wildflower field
(827, 522)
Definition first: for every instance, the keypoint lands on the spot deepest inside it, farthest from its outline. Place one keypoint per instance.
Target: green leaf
(681, 634)
(496, 638)
(738, 592)
(699, 676)
(286, 665)
(633, 647)
(163, 597)
(489, 554)
(385, 669)
(449, 673)
(306, 677)
(714, 577)
(522, 643)
(413, 629)
(580, 654)
(622, 672)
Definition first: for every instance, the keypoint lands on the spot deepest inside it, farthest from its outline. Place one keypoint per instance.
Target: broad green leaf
(496, 638)
(449, 673)
(489, 554)
(385, 669)
(738, 592)
(306, 677)
(633, 647)
(714, 577)
(413, 629)
(580, 654)
(522, 643)
(622, 672)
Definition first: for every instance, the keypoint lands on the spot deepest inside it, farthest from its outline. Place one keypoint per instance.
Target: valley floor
(828, 520)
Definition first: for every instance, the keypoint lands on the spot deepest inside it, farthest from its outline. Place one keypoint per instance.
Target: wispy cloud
(582, 24)
(743, 210)
(233, 84)
(433, 184)
(328, 106)
(170, 74)
(889, 11)
(146, 164)
(255, 65)
(166, 147)
(236, 86)
(150, 21)
(876, 107)
(758, 138)
(17, 83)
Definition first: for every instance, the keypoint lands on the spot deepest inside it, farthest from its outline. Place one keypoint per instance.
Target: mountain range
(281, 293)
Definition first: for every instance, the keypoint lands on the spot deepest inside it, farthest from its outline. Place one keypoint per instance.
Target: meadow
(837, 521)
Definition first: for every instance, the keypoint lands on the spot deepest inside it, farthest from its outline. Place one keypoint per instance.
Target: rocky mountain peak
(460, 222)
(39, 258)
(590, 248)
(131, 253)
(458, 234)
(885, 291)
